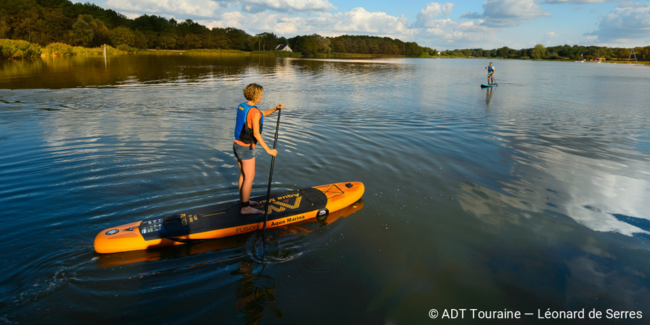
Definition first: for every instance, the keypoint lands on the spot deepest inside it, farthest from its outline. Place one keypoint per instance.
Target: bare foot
(250, 210)
(253, 202)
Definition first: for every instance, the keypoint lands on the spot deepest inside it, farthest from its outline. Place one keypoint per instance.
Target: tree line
(312, 44)
(561, 52)
(49, 21)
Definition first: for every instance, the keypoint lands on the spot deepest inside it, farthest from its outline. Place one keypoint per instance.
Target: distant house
(282, 47)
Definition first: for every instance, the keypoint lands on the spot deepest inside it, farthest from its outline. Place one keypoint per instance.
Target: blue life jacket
(242, 132)
(490, 68)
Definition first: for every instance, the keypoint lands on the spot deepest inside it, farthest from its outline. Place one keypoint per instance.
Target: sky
(441, 25)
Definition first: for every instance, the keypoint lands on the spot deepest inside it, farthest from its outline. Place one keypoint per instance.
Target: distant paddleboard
(486, 86)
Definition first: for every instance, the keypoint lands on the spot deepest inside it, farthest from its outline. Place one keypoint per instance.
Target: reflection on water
(156, 69)
(488, 96)
(256, 294)
(514, 197)
(256, 291)
(554, 173)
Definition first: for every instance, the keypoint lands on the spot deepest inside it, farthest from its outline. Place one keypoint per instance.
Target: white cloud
(629, 21)
(258, 22)
(550, 38)
(444, 33)
(210, 8)
(287, 5)
(454, 32)
(578, 1)
(439, 33)
(355, 21)
(507, 13)
(200, 8)
(131, 15)
(433, 10)
(228, 19)
(360, 20)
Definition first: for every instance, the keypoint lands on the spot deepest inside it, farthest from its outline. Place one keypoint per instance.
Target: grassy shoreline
(614, 61)
(18, 49)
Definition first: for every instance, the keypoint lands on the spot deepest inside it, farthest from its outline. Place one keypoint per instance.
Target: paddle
(268, 191)
(494, 82)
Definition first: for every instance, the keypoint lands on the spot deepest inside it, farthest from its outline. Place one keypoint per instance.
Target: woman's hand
(272, 152)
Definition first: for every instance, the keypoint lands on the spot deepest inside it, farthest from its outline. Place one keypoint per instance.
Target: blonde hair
(253, 91)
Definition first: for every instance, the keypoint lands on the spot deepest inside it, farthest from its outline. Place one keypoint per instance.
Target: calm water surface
(531, 195)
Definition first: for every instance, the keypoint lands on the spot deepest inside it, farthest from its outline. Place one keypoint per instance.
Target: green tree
(266, 41)
(55, 27)
(307, 45)
(24, 23)
(122, 35)
(339, 46)
(139, 40)
(100, 31)
(504, 52)
(324, 44)
(237, 38)
(255, 43)
(4, 28)
(219, 38)
(82, 32)
(88, 31)
(167, 41)
(539, 52)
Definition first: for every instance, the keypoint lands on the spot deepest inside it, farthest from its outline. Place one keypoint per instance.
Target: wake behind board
(225, 219)
(486, 86)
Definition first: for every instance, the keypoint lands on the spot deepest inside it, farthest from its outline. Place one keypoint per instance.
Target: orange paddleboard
(223, 220)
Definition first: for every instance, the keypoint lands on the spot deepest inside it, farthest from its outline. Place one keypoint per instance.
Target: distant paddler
(490, 77)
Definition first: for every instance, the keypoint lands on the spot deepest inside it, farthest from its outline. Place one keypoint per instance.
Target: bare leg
(247, 168)
(241, 181)
(241, 177)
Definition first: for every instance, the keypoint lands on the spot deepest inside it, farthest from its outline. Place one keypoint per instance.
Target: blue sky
(442, 25)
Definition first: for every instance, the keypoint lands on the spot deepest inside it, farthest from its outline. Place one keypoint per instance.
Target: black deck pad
(227, 215)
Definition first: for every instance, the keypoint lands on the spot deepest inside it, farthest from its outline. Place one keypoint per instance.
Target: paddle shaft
(268, 191)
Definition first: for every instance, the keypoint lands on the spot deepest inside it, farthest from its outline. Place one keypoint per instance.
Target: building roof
(282, 47)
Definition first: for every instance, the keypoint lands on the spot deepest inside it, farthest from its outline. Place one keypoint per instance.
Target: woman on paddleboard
(248, 132)
(490, 69)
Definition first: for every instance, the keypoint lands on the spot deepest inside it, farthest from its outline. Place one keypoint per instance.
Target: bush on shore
(126, 48)
(80, 50)
(64, 50)
(58, 50)
(16, 49)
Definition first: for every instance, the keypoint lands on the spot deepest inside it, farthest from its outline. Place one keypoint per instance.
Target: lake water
(532, 195)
